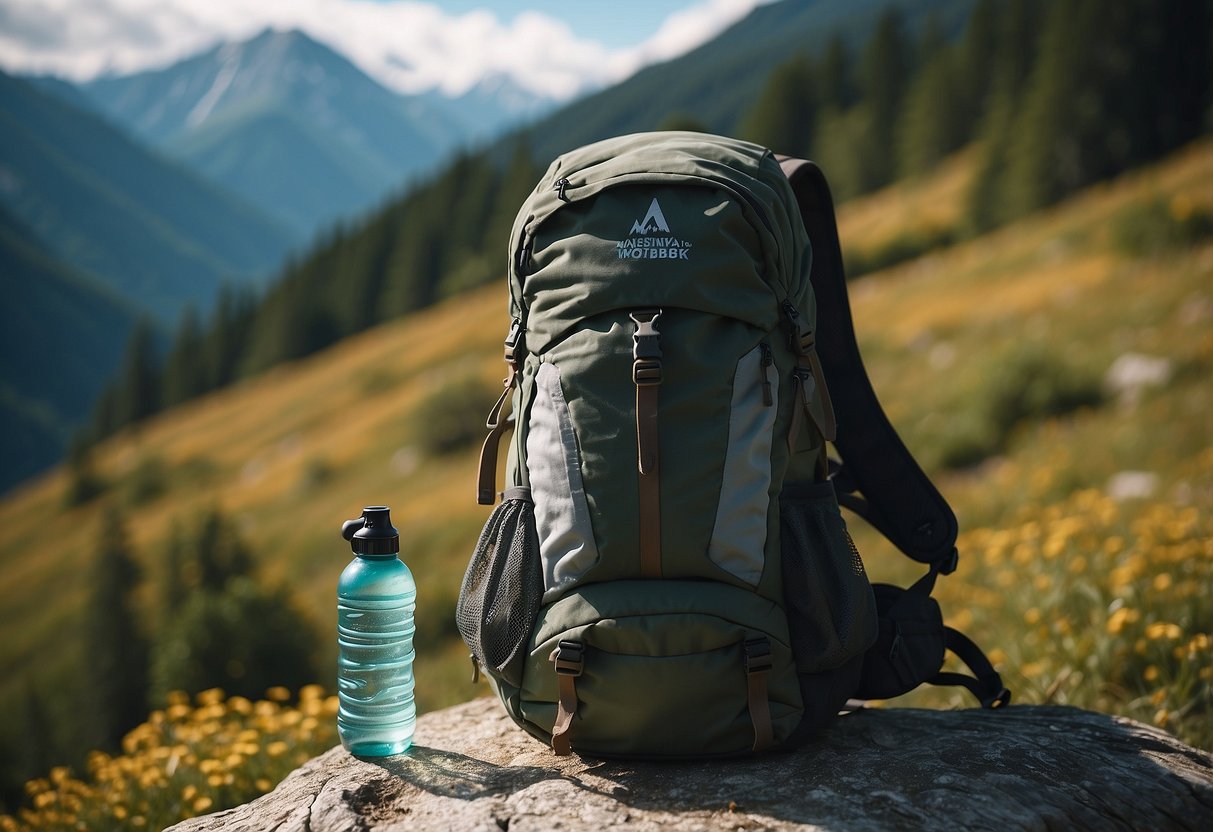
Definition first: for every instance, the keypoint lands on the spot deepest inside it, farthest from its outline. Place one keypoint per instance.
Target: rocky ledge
(1019, 768)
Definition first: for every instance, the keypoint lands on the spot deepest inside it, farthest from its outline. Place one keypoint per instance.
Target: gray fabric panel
(740, 533)
(562, 517)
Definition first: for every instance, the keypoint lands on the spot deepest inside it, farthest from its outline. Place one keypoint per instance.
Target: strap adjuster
(569, 657)
(758, 655)
(646, 373)
(512, 338)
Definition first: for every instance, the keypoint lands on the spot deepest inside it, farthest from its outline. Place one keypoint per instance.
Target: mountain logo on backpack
(653, 221)
(641, 244)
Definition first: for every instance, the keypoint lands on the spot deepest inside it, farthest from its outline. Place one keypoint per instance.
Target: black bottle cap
(372, 533)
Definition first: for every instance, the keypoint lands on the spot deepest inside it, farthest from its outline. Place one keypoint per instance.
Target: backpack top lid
(716, 218)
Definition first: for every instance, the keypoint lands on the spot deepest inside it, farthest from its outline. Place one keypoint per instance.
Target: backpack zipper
(764, 366)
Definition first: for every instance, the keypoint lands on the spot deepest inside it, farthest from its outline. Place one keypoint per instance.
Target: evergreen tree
(116, 654)
(83, 481)
(219, 554)
(225, 346)
(974, 67)
(138, 386)
(835, 85)
(178, 574)
(782, 117)
(185, 375)
(883, 77)
(933, 120)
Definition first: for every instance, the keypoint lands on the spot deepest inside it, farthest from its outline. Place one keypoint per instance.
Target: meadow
(1054, 376)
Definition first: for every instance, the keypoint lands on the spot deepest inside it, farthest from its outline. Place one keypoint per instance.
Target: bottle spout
(350, 526)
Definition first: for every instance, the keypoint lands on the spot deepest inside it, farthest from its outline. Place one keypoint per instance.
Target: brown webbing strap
(569, 661)
(646, 373)
(486, 488)
(757, 667)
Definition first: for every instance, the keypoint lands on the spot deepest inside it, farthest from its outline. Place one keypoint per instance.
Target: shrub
(243, 639)
(1023, 385)
(1156, 227)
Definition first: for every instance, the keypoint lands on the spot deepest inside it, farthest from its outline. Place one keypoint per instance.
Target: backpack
(668, 573)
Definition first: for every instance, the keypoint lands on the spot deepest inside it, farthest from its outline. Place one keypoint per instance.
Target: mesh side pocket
(831, 609)
(501, 590)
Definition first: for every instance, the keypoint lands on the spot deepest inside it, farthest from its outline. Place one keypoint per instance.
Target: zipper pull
(768, 358)
(559, 188)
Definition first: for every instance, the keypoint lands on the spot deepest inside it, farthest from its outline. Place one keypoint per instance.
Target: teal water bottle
(375, 600)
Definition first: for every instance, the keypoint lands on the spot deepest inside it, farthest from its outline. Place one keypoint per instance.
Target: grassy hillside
(1087, 554)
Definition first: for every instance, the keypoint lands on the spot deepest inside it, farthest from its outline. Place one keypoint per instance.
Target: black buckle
(569, 657)
(757, 655)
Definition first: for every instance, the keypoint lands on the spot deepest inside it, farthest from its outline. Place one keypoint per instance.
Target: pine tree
(835, 85)
(883, 77)
(783, 115)
(975, 63)
(185, 375)
(175, 584)
(219, 553)
(116, 654)
(933, 121)
(138, 385)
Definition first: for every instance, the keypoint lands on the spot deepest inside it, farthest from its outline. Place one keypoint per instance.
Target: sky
(555, 49)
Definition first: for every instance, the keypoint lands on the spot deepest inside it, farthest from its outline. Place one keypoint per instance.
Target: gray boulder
(1018, 768)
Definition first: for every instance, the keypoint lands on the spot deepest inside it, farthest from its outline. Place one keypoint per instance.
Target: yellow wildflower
(1122, 616)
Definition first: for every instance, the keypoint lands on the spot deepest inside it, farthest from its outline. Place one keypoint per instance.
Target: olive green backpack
(667, 573)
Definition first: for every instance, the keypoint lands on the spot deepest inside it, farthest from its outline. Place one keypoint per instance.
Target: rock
(1132, 485)
(1019, 768)
(1133, 373)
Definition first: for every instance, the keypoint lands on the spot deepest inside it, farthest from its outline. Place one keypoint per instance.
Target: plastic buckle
(512, 338)
(646, 373)
(647, 336)
(646, 367)
(569, 657)
(758, 655)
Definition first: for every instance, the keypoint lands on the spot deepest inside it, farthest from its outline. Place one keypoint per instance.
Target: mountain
(491, 107)
(61, 337)
(293, 126)
(716, 83)
(154, 233)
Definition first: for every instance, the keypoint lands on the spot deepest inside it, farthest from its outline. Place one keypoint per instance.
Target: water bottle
(375, 600)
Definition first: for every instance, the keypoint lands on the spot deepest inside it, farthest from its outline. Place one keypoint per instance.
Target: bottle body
(376, 597)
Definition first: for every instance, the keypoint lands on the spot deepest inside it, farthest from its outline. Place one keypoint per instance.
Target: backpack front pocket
(829, 601)
(663, 669)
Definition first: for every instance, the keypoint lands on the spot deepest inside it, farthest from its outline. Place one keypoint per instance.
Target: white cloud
(410, 46)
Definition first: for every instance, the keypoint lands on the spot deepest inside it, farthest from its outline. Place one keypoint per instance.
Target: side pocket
(501, 591)
(831, 609)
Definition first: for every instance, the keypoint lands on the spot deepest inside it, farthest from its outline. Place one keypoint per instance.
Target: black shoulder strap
(879, 479)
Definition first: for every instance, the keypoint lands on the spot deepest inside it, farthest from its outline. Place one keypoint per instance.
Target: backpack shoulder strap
(878, 479)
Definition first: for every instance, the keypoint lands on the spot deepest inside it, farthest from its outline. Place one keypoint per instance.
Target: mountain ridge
(213, 112)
